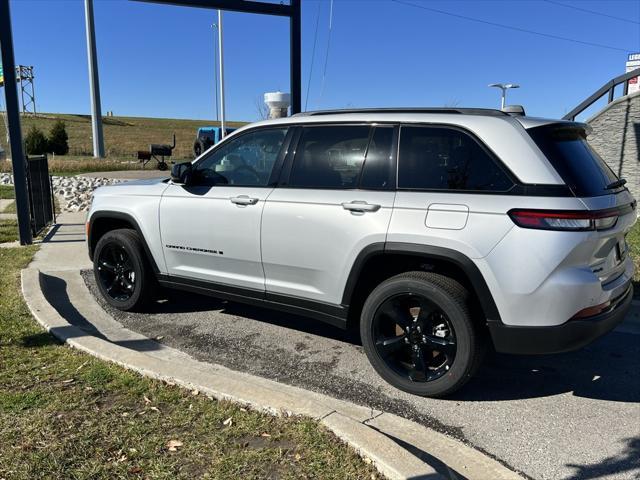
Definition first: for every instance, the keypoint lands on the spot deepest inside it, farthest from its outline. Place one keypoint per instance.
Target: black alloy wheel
(419, 333)
(414, 337)
(116, 272)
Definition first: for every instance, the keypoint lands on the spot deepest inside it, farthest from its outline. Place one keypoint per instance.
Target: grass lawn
(6, 192)
(8, 233)
(65, 414)
(633, 241)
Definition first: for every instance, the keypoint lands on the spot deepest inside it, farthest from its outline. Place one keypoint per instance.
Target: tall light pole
(94, 84)
(504, 87)
(221, 58)
(214, 26)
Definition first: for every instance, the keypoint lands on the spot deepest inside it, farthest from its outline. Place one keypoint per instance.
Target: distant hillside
(124, 136)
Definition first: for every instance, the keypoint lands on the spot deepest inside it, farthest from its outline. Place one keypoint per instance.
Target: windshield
(568, 151)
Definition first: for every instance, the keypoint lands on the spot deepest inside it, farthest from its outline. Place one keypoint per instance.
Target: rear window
(581, 168)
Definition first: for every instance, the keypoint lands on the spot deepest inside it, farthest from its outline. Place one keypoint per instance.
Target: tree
(58, 139)
(35, 142)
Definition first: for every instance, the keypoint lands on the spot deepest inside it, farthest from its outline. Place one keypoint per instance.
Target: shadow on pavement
(627, 461)
(608, 369)
(55, 291)
(175, 301)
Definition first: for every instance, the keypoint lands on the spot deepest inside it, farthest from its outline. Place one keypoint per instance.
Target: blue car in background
(208, 136)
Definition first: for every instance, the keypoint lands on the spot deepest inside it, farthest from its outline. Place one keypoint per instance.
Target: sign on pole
(633, 62)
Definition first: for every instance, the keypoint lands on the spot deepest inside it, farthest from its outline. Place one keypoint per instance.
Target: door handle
(360, 206)
(244, 200)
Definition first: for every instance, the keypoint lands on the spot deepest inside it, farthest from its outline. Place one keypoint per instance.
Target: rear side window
(572, 157)
(329, 157)
(440, 158)
(377, 173)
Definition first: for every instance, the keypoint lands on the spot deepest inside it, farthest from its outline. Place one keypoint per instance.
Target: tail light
(569, 220)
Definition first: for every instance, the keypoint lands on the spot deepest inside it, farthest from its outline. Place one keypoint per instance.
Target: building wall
(616, 137)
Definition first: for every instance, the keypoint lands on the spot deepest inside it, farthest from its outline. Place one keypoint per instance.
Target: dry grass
(124, 136)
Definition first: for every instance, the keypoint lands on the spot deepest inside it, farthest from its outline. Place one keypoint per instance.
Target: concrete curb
(398, 448)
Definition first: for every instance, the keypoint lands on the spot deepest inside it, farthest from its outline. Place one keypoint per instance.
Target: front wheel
(418, 334)
(121, 270)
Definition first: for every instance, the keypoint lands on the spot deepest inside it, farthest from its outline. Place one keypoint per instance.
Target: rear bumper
(571, 335)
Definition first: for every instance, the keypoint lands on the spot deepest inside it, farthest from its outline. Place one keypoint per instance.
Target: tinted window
(576, 162)
(329, 157)
(244, 161)
(378, 167)
(446, 159)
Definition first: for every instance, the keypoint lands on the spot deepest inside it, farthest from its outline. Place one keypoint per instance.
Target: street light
(504, 87)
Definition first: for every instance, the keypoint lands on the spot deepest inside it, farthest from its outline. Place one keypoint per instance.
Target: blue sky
(158, 60)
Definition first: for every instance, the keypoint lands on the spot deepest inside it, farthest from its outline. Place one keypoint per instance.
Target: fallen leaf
(195, 392)
(155, 409)
(68, 381)
(132, 450)
(174, 445)
(133, 470)
(298, 457)
(191, 406)
(123, 458)
(265, 434)
(367, 460)
(159, 337)
(242, 409)
(228, 422)
(125, 414)
(83, 365)
(88, 389)
(146, 399)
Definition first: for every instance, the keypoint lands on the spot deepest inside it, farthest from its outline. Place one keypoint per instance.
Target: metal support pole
(296, 57)
(611, 95)
(221, 64)
(94, 82)
(18, 158)
(215, 68)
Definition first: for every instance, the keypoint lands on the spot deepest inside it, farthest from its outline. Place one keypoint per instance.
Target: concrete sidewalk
(59, 299)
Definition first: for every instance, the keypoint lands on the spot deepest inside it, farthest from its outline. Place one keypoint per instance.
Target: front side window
(329, 157)
(244, 161)
(438, 158)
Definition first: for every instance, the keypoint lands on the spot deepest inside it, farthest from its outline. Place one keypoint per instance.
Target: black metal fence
(40, 194)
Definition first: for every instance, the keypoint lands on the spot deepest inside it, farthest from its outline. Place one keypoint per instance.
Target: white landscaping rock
(73, 193)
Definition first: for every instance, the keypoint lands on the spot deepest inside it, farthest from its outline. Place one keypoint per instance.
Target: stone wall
(616, 137)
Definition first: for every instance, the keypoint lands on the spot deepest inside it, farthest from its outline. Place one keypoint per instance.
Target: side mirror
(181, 173)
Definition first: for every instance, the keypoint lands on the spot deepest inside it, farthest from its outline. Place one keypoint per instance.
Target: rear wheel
(418, 333)
(121, 270)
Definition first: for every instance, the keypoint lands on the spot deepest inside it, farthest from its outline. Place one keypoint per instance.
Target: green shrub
(58, 139)
(35, 142)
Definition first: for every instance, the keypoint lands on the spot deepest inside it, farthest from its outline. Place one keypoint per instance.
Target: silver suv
(437, 232)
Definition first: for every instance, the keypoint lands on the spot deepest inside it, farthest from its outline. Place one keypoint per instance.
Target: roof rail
(465, 111)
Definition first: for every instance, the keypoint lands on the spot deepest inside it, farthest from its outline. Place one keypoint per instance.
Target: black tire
(397, 352)
(197, 149)
(162, 166)
(119, 262)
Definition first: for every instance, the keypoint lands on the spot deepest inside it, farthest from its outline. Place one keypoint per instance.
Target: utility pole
(221, 58)
(18, 158)
(94, 82)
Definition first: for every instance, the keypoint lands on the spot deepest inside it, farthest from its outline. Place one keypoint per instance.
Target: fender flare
(464, 263)
(112, 214)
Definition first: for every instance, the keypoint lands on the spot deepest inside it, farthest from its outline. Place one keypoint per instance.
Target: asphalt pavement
(569, 416)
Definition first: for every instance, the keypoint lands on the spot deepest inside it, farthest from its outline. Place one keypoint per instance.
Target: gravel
(73, 193)
(569, 416)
